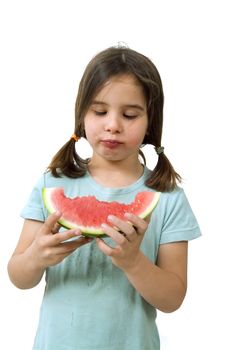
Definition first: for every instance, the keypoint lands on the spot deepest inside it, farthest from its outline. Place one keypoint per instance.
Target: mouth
(111, 143)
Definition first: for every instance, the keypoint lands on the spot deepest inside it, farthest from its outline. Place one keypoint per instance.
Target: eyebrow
(134, 105)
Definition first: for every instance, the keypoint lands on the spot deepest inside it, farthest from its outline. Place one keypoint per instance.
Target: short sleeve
(34, 208)
(179, 223)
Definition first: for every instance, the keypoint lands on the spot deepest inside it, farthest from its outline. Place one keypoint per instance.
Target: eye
(99, 112)
(130, 116)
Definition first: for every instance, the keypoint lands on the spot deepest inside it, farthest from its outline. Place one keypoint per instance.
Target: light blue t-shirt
(88, 303)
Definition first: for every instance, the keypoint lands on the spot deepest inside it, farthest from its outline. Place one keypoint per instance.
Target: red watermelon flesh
(88, 213)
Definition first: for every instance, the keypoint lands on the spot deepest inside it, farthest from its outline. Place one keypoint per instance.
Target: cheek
(136, 138)
(90, 127)
(137, 134)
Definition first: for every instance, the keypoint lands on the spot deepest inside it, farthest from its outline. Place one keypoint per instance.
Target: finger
(126, 228)
(117, 236)
(50, 222)
(147, 219)
(73, 245)
(56, 228)
(64, 236)
(138, 223)
(66, 248)
(105, 248)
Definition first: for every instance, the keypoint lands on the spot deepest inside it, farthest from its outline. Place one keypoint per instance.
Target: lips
(111, 143)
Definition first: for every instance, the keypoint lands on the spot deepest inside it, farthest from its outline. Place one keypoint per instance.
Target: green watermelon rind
(150, 207)
(89, 231)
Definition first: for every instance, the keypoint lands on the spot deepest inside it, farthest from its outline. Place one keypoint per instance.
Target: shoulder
(178, 219)
(47, 179)
(173, 197)
(169, 200)
(174, 202)
(34, 208)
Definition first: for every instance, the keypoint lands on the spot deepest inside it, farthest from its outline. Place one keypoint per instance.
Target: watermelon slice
(87, 213)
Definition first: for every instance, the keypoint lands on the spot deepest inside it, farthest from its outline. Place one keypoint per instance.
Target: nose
(113, 124)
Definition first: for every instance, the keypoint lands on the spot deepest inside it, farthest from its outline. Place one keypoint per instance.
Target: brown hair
(106, 64)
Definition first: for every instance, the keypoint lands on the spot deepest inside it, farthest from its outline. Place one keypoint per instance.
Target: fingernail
(110, 217)
(127, 215)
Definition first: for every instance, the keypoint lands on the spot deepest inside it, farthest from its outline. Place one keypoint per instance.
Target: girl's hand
(128, 240)
(50, 246)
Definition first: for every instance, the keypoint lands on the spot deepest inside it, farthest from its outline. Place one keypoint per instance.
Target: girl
(103, 293)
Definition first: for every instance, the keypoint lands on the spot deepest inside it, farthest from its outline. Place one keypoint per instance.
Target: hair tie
(75, 137)
(159, 150)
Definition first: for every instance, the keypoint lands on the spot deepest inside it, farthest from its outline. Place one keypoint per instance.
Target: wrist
(135, 264)
(35, 265)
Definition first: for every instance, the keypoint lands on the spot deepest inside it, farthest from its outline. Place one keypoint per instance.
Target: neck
(114, 174)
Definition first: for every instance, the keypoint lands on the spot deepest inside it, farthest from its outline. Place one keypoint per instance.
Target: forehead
(121, 86)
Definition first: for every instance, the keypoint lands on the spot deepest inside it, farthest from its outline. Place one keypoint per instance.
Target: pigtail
(141, 154)
(67, 161)
(163, 177)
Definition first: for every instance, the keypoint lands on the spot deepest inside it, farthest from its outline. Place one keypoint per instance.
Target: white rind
(152, 206)
(46, 195)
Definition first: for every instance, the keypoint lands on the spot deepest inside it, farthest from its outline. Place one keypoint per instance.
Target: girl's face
(116, 122)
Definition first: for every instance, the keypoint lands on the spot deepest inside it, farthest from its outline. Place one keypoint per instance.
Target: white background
(45, 46)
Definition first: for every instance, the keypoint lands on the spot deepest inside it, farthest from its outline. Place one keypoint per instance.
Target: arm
(22, 270)
(162, 285)
(38, 248)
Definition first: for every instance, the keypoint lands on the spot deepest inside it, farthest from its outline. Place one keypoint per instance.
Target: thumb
(48, 225)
